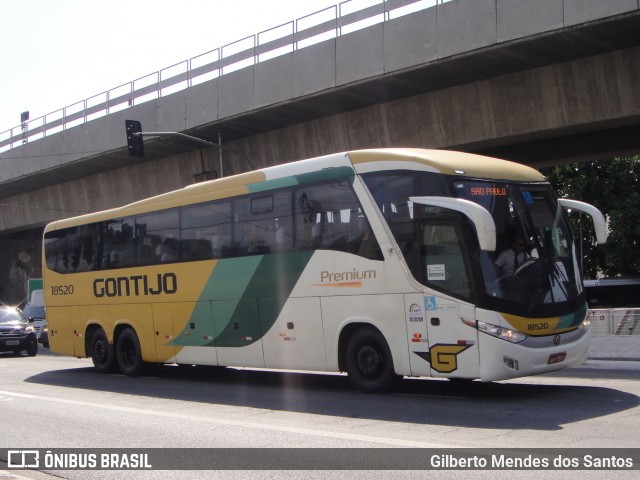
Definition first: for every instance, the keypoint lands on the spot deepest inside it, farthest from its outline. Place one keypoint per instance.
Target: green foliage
(614, 187)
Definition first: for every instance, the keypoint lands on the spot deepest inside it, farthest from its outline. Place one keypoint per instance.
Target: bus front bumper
(501, 360)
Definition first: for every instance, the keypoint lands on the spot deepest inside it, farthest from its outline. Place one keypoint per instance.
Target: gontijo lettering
(136, 285)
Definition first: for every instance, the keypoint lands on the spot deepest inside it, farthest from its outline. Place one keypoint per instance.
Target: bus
(379, 263)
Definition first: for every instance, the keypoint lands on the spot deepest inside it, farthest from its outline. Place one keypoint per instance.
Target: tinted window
(263, 223)
(323, 215)
(117, 243)
(158, 237)
(329, 216)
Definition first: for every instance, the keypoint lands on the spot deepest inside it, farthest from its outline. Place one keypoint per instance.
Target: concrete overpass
(541, 82)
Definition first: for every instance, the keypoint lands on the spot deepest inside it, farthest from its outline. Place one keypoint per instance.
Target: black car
(16, 332)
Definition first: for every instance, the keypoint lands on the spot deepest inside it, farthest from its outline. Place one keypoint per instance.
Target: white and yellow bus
(380, 263)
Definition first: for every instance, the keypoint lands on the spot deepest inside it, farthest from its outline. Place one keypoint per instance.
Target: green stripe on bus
(266, 294)
(321, 175)
(242, 299)
(573, 319)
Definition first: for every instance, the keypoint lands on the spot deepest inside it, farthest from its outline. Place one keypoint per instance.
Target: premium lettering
(136, 285)
(347, 276)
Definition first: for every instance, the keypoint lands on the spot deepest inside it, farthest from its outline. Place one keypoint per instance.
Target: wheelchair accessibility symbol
(430, 302)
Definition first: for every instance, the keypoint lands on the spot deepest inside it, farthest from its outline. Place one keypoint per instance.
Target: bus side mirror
(599, 222)
(479, 216)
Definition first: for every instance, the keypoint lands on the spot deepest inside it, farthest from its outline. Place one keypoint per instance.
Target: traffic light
(134, 142)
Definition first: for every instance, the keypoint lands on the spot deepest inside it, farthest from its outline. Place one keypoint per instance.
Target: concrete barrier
(615, 347)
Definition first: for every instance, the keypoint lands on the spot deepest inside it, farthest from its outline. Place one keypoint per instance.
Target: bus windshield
(534, 267)
(535, 260)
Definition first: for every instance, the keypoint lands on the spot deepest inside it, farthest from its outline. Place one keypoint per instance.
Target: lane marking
(237, 423)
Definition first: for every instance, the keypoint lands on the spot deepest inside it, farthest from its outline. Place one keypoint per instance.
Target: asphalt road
(53, 402)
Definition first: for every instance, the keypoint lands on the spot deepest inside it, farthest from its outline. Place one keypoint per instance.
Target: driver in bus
(512, 258)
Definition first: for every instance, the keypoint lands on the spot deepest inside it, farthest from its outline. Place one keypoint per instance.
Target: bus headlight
(585, 324)
(507, 334)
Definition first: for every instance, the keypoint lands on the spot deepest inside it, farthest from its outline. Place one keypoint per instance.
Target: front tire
(32, 347)
(369, 362)
(103, 353)
(129, 354)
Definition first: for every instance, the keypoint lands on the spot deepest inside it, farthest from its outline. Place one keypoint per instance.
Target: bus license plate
(557, 357)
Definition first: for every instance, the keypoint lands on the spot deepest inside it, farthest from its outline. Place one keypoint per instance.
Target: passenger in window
(169, 250)
(114, 260)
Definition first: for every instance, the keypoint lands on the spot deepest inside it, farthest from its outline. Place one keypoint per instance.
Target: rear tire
(103, 353)
(129, 354)
(369, 362)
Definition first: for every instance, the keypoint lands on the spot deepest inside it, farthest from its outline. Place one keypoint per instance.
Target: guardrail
(615, 321)
(331, 22)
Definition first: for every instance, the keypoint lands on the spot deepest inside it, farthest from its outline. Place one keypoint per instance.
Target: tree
(614, 187)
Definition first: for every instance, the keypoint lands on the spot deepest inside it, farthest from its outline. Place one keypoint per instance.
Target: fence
(331, 22)
(615, 321)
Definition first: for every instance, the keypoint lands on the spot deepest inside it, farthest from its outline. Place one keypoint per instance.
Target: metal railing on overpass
(615, 321)
(331, 22)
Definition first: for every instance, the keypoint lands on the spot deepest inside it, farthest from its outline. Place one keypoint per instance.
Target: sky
(58, 52)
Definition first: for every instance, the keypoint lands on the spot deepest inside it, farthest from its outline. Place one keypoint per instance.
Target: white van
(35, 309)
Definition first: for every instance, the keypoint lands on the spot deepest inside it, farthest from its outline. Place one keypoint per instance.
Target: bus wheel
(102, 353)
(129, 354)
(369, 362)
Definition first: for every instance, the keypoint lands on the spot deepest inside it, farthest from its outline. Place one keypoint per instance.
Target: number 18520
(62, 290)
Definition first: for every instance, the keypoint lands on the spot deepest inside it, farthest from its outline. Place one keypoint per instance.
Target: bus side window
(264, 222)
(329, 217)
(83, 251)
(55, 250)
(117, 238)
(157, 237)
(208, 223)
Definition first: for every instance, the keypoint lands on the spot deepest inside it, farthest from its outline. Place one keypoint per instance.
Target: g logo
(443, 358)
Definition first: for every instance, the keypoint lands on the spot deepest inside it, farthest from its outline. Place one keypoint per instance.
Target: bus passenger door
(445, 267)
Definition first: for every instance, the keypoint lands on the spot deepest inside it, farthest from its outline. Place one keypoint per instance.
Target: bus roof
(445, 161)
(360, 161)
